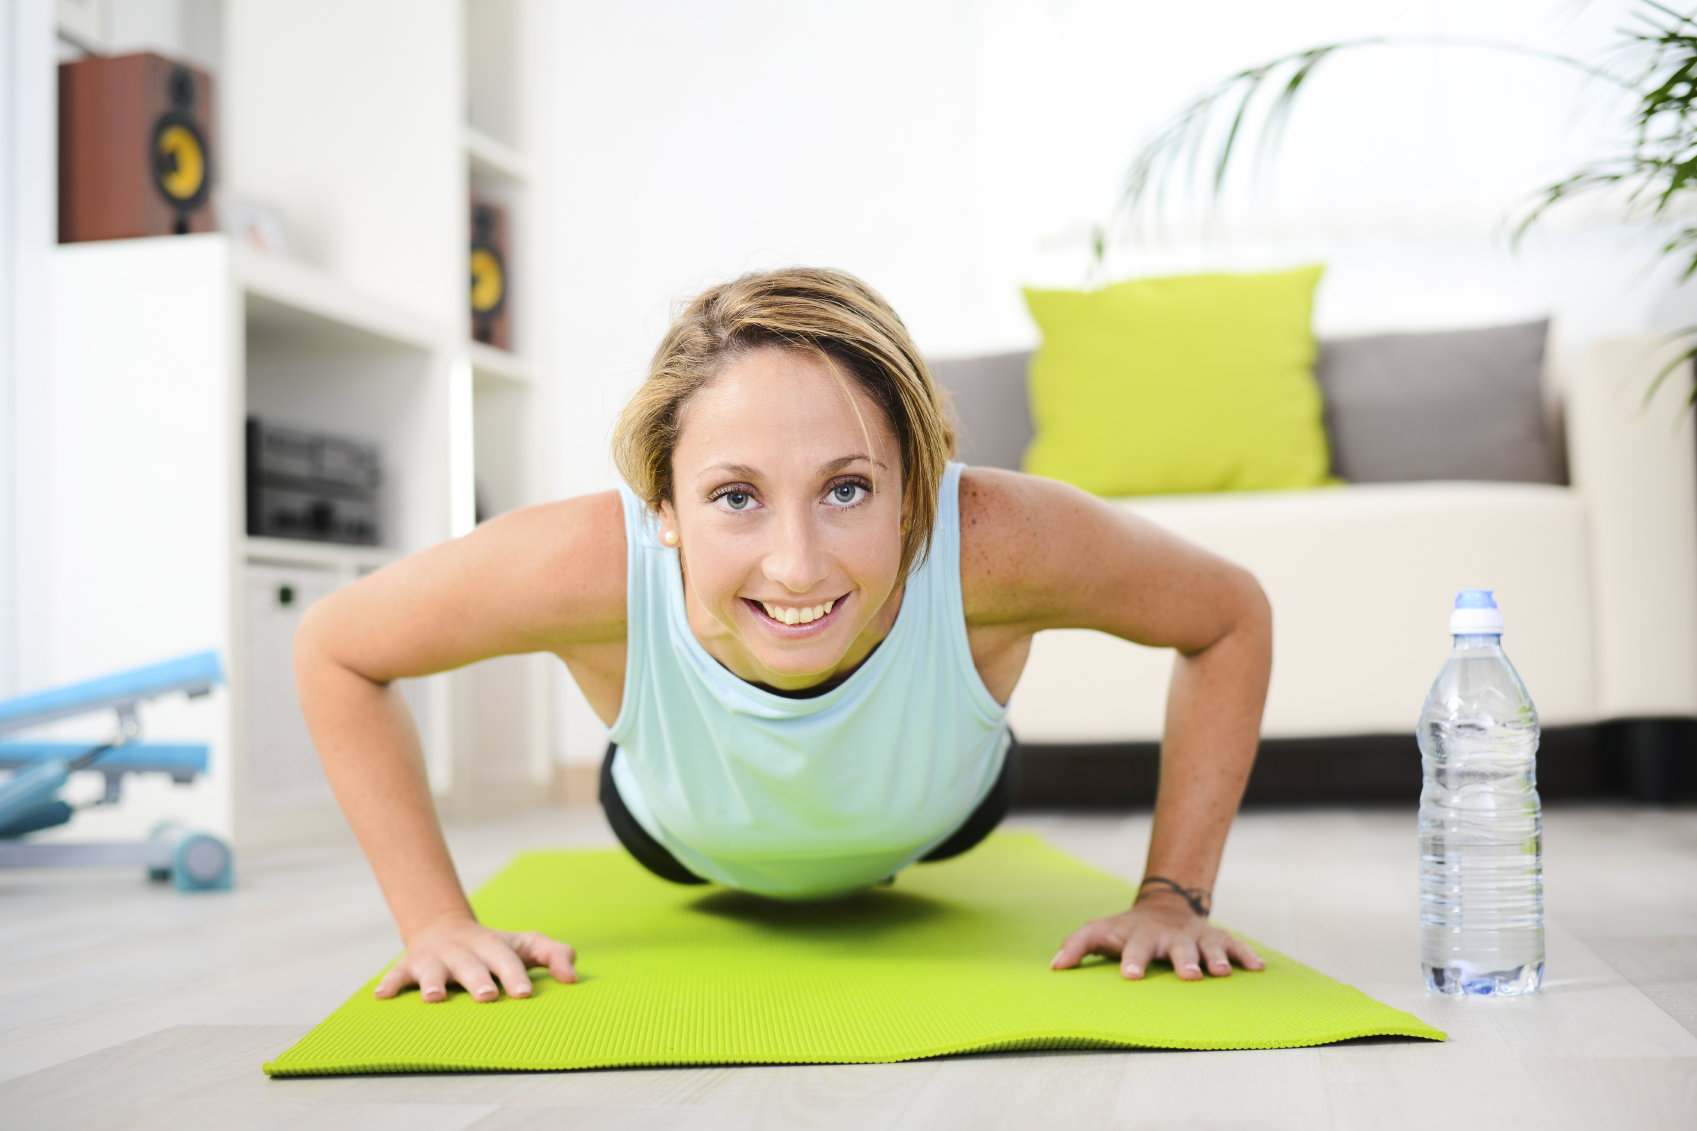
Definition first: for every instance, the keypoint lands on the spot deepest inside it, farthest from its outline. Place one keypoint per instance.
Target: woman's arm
(1039, 554)
(548, 578)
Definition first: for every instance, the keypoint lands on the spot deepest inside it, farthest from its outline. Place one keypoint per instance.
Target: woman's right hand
(465, 952)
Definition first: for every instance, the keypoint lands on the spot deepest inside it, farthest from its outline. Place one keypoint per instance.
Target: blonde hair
(812, 310)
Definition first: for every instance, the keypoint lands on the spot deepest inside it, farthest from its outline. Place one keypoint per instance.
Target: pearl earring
(670, 537)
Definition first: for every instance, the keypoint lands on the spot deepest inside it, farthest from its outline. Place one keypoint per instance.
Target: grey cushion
(992, 412)
(1456, 405)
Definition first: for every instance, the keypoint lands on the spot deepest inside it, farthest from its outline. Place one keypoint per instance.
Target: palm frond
(1171, 157)
(1685, 355)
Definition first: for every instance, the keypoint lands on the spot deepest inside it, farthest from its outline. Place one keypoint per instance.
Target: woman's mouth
(796, 618)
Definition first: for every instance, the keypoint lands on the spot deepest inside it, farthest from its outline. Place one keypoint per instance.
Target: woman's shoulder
(1005, 517)
(999, 534)
(1022, 539)
(567, 558)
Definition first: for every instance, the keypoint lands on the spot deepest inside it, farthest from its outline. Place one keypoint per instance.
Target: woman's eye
(846, 492)
(736, 500)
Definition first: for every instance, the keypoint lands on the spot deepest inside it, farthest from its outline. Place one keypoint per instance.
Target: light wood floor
(125, 1005)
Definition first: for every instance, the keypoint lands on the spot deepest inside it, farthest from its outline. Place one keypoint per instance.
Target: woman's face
(788, 515)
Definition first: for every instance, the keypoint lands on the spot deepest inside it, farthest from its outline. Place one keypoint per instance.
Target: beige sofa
(1597, 581)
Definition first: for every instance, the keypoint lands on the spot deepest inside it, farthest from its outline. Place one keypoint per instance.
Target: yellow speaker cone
(181, 162)
(488, 281)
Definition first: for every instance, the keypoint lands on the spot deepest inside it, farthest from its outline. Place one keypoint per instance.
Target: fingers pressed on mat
(398, 978)
(538, 949)
(1245, 954)
(1187, 964)
(1214, 957)
(1134, 959)
(505, 965)
(432, 978)
(1092, 938)
(1071, 951)
(473, 975)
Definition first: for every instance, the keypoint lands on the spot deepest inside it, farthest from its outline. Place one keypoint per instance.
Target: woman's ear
(668, 522)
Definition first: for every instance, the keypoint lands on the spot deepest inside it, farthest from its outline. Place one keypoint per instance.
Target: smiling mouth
(794, 616)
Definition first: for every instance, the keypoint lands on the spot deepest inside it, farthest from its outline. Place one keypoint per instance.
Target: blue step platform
(194, 675)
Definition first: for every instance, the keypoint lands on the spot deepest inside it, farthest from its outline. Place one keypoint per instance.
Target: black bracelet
(1198, 898)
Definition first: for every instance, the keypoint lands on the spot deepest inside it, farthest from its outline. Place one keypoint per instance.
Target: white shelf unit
(164, 347)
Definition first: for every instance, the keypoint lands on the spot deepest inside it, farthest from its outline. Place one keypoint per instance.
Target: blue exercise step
(29, 799)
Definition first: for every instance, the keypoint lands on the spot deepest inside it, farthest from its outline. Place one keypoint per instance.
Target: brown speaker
(135, 148)
(489, 305)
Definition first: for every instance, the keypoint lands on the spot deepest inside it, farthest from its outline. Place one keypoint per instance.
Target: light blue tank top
(804, 798)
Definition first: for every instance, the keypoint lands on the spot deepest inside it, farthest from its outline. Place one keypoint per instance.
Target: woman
(802, 625)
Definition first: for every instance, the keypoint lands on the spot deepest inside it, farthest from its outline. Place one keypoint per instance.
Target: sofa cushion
(1361, 583)
(1182, 384)
(1462, 404)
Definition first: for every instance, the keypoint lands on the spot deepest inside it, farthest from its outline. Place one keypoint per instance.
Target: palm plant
(1654, 170)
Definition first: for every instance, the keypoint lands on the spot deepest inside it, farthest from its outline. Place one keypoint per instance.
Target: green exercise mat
(951, 958)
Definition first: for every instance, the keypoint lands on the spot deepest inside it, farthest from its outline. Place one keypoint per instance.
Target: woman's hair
(811, 310)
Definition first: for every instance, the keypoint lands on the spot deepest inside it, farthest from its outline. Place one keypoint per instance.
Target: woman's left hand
(1159, 925)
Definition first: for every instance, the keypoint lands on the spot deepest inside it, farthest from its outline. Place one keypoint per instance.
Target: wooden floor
(124, 1005)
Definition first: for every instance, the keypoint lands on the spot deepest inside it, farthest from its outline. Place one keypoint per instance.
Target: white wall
(949, 152)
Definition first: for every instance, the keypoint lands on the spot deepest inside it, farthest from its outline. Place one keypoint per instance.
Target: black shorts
(657, 858)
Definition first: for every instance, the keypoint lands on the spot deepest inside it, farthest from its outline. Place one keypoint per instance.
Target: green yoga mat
(952, 958)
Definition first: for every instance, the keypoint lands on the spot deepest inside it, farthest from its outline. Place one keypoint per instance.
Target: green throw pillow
(1190, 383)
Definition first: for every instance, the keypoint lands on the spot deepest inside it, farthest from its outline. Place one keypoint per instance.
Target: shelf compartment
(494, 160)
(342, 366)
(290, 300)
(488, 362)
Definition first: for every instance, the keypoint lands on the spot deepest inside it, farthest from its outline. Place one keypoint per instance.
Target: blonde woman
(802, 624)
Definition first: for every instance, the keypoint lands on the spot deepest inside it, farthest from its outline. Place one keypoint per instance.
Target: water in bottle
(1481, 872)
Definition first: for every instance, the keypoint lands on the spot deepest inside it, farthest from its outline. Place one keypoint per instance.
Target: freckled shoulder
(1001, 542)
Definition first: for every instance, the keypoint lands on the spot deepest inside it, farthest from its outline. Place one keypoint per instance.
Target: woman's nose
(793, 558)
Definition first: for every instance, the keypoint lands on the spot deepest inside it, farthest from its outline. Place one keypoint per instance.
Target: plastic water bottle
(1481, 870)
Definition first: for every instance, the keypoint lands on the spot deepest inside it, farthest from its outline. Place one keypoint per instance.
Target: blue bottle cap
(1476, 614)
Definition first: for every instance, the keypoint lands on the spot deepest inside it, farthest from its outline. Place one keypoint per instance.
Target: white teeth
(805, 615)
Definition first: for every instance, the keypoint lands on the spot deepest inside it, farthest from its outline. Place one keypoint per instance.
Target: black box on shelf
(312, 486)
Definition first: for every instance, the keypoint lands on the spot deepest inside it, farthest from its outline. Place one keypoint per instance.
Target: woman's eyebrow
(843, 461)
(743, 471)
(740, 470)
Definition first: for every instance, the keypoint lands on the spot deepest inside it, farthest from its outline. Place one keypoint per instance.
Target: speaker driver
(179, 161)
(488, 263)
(488, 282)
